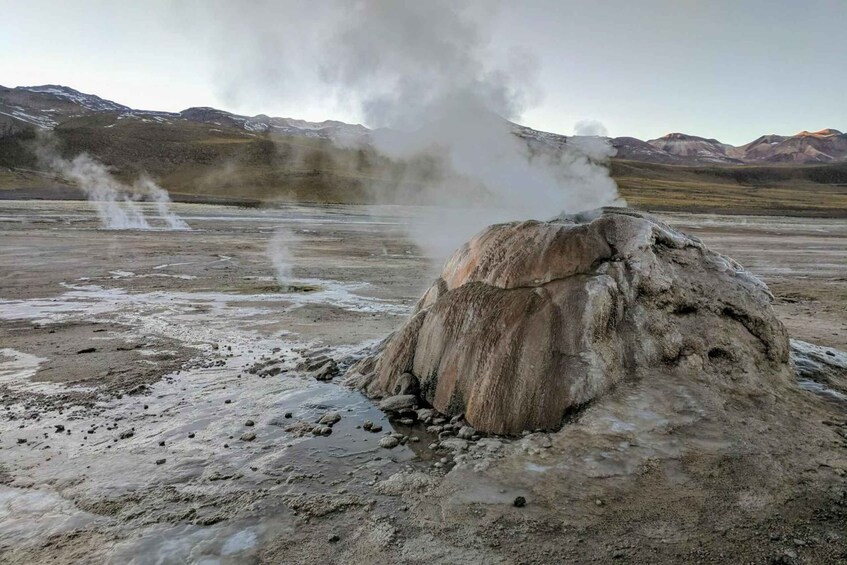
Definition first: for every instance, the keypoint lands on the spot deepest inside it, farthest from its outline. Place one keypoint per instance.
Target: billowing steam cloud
(281, 256)
(590, 127)
(424, 76)
(116, 203)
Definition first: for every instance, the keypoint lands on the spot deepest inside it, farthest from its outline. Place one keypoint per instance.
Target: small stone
(454, 444)
(466, 432)
(519, 502)
(162, 443)
(367, 425)
(127, 434)
(21, 440)
(325, 371)
(389, 442)
(598, 502)
(227, 401)
(287, 415)
(334, 538)
(407, 384)
(321, 430)
(398, 403)
(375, 429)
(160, 461)
(248, 436)
(330, 418)
(249, 423)
(425, 413)
(59, 428)
(191, 435)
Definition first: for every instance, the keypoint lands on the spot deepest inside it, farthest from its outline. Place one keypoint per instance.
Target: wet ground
(152, 382)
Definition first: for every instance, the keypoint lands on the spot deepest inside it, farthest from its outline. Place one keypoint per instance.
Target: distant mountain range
(50, 105)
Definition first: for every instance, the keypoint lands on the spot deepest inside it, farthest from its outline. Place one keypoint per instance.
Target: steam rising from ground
(115, 202)
(281, 256)
(424, 75)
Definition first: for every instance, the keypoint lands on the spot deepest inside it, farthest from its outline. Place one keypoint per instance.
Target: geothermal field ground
(159, 404)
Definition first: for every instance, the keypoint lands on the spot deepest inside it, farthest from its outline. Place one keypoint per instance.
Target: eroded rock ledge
(530, 320)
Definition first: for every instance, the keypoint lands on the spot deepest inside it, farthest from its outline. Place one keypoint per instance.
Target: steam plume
(116, 203)
(425, 76)
(281, 256)
(160, 197)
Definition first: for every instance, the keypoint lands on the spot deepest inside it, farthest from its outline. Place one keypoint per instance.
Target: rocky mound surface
(532, 320)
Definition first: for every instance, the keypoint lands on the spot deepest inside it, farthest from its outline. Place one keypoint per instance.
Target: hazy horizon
(719, 71)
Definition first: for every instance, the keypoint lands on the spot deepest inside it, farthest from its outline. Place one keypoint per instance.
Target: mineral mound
(531, 320)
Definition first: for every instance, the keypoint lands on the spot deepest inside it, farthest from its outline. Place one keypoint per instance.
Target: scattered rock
(389, 442)
(249, 423)
(519, 502)
(425, 414)
(466, 432)
(325, 371)
(330, 418)
(87, 350)
(248, 436)
(454, 444)
(322, 430)
(398, 403)
(407, 384)
(300, 429)
(405, 482)
(334, 538)
(160, 461)
(59, 428)
(126, 434)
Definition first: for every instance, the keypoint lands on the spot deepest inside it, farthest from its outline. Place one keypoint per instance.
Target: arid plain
(153, 382)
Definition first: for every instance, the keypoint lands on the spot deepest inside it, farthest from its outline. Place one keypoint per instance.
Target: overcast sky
(729, 69)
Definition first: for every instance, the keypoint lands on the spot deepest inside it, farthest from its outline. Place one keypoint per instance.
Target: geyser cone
(530, 320)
